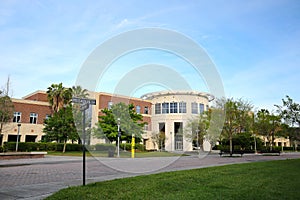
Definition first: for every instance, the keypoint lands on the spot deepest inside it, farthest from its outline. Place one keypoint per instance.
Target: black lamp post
(119, 135)
(17, 144)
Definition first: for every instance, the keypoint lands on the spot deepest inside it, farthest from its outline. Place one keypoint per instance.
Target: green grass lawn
(123, 154)
(260, 180)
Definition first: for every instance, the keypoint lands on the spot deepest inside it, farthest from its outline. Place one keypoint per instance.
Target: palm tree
(77, 91)
(59, 96)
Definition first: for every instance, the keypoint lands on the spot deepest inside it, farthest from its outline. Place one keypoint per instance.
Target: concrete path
(39, 178)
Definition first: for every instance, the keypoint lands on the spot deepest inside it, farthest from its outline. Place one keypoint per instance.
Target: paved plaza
(39, 178)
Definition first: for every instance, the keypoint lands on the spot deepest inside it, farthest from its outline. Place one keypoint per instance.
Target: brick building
(30, 113)
(165, 112)
(106, 100)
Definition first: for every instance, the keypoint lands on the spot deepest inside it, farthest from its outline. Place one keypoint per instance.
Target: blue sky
(254, 44)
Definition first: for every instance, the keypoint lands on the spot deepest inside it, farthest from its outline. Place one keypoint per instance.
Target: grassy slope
(261, 180)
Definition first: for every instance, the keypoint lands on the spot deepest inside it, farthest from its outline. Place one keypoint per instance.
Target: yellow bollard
(132, 146)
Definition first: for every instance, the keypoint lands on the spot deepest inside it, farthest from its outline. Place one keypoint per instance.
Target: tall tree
(6, 106)
(60, 126)
(130, 123)
(290, 113)
(158, 140)
(77, 91)
(238, 117)
(196, 129)
(216, 117)
(268, 125)
(59, 96)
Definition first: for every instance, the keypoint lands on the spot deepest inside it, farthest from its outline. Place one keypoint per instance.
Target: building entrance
(178, 130)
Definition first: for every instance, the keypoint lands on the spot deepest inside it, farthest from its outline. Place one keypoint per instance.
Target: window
(182, 107)
(17, 117)
(157, 108)
(201, 108)
(207, 107)
(138, 109)
(33, 118)
(165, 108)
(146, 110)
(109, 105)
(47, 116)
(194, 108)
(173, 107)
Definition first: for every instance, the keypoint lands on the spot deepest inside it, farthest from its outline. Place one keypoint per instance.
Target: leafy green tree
(238, 117)
(244, 141)
(60, 126)
(216, 118)
(290, 113)
(196, 129)
(268, 125)
(6, 107)
(130, 123)
(158, 140)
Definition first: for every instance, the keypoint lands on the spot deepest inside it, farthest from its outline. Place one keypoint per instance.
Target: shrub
(2, 149)
(73, 147)
(288, 149)
(105, 147)
(40, 146)
(127, 146)
(266, 149)
(140, 147)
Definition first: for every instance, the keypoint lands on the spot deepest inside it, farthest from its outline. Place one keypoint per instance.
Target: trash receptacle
(110, 153)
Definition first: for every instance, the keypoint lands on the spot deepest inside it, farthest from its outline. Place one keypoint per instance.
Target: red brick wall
(105, 98)
(38, 97)
(26, 109)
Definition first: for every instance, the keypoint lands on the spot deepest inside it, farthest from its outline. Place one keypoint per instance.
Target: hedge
(49, 146)
(38, 146)
(105, 147)
(137, 146)
(238, 147)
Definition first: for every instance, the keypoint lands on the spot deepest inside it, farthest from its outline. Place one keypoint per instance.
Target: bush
(105, 147)
(266, 149)
(41, 146)
(127, 146)
(288, 148)
(74, 147)
(2, 149)
(140, 147)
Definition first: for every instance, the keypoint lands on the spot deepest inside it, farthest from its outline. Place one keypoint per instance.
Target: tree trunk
(65, 144)
(230, 145)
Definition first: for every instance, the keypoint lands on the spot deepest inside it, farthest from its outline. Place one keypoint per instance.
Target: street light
(197, 132)
(119, 134)
(17, 144)
(255, 150)
(171, 141)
